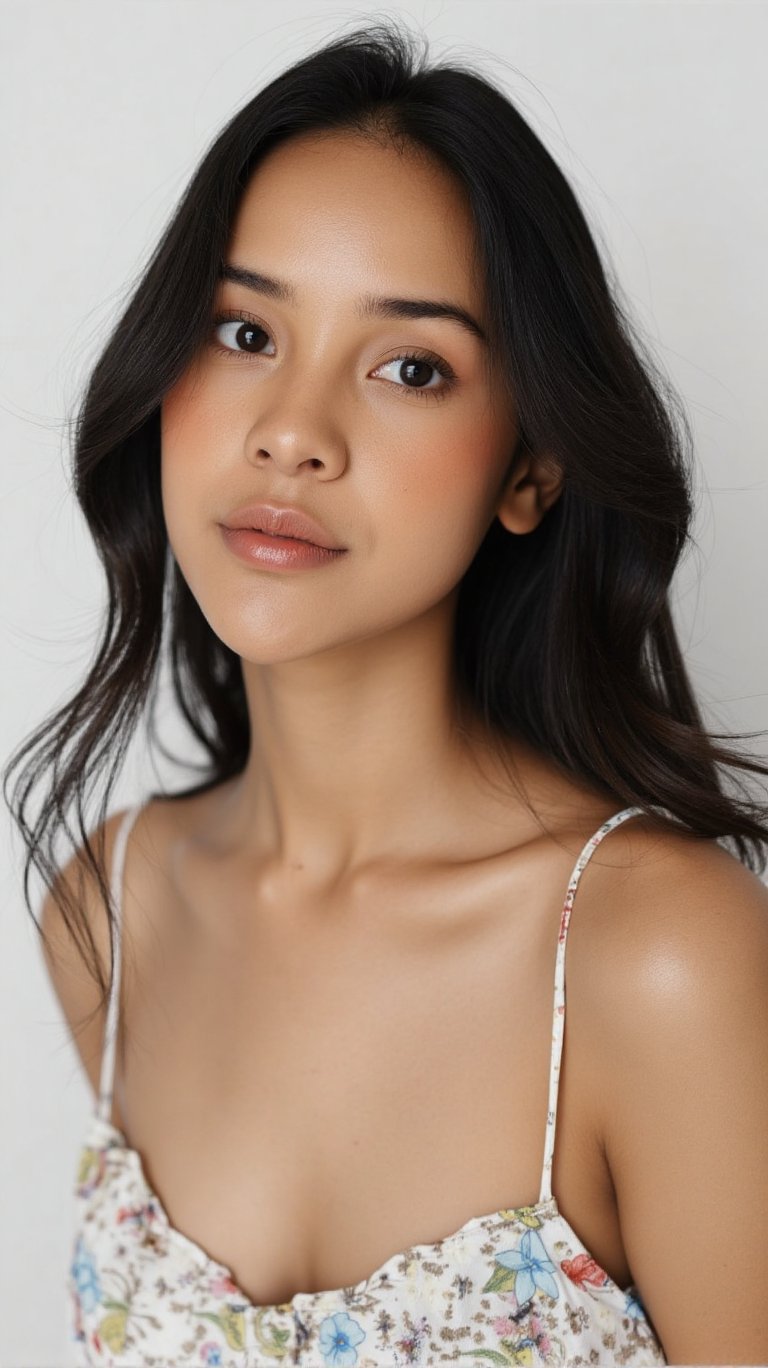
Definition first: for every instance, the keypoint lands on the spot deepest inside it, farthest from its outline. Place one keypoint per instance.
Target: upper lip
(282, 521)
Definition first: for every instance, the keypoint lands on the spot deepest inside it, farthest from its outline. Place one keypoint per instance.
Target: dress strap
(106, 1081)
(558, 1015)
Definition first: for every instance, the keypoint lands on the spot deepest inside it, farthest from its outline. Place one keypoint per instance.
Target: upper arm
(74, 984)
(683, 1058)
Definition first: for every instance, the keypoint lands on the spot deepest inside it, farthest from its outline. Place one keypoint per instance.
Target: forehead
(346, 212)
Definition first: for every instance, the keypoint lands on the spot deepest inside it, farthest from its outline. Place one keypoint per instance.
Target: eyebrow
(369, 306)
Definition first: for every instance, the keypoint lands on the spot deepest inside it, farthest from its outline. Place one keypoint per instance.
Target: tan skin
(337, 995)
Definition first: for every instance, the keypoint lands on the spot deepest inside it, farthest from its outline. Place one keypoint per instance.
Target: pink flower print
(138, 1214)
(539, 1334)
(504, 1325)
(210, 1354)
(222, 1284)
(79, 1331)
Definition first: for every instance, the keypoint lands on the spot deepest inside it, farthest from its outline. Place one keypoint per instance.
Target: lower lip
(276, 553)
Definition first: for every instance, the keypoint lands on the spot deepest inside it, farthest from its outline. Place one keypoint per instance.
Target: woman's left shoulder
(671, 952)
(673, 915)
(674, 969)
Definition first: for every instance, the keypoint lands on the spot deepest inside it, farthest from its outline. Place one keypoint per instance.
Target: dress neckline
(108, 1140)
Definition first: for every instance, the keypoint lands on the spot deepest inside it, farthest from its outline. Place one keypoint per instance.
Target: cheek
(444, 496)
(194, 438)
(193, 425)
(190, 490)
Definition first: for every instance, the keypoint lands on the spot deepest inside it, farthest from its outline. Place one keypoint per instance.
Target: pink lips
(281, 522)
(277, 553)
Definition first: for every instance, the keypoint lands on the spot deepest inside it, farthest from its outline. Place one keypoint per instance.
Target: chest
(315, 1088)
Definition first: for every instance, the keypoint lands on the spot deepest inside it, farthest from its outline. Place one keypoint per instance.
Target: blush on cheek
(454, 495)
(184, 405)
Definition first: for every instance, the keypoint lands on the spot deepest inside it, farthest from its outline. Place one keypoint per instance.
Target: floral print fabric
(514, 1287)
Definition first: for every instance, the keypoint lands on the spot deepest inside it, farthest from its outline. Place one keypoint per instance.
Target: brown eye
(239, 334)
(415, 367)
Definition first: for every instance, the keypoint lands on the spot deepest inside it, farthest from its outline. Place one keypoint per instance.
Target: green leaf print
(491, 1354)
(501, 1280)
(231, 1322)
(275, 1345)
(512, 1357)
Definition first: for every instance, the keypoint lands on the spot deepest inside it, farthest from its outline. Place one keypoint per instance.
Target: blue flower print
(86, 1278)
(338, 1336)
(532, 1265)
(210, 1354)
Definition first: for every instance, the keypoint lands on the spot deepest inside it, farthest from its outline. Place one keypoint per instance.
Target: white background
(656, 112)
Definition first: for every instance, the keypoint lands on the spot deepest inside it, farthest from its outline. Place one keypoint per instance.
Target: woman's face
(316, 404)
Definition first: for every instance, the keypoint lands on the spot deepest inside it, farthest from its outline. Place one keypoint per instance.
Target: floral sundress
(513, 1287)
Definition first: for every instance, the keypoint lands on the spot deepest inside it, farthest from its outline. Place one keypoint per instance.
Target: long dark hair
(563, 636)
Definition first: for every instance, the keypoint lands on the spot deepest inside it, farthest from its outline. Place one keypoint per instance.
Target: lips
(283, 521)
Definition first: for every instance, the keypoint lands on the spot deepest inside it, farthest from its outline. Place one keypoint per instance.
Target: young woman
(372, 462)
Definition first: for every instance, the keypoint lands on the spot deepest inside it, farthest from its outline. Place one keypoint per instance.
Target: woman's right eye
(242, 335)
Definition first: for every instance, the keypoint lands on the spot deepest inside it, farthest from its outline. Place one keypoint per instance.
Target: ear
(534, 484)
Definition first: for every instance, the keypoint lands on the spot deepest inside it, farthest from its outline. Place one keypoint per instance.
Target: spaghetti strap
(106, 1082)
(558, 1014)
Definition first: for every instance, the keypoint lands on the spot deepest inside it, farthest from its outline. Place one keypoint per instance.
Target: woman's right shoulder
(73, 979)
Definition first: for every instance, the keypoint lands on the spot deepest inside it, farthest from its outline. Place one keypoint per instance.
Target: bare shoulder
(73, 981)
(674, 957)
(674, 945)
(671, 916)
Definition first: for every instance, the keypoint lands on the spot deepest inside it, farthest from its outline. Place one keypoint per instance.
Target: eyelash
(417, 354)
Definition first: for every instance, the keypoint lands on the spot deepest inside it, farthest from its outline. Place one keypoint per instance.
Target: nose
(289, 453)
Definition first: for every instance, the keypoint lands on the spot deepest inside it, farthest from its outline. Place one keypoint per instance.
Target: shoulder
(75, 930)
(676, 939)
(674, 951)
(675, 924)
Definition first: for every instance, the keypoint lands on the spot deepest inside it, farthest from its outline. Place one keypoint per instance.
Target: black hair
(563, 636)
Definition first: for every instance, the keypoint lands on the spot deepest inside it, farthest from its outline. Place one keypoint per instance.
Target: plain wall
(657, 114)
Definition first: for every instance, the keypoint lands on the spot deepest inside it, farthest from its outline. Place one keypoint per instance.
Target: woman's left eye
(418, 362)
(244, 330)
